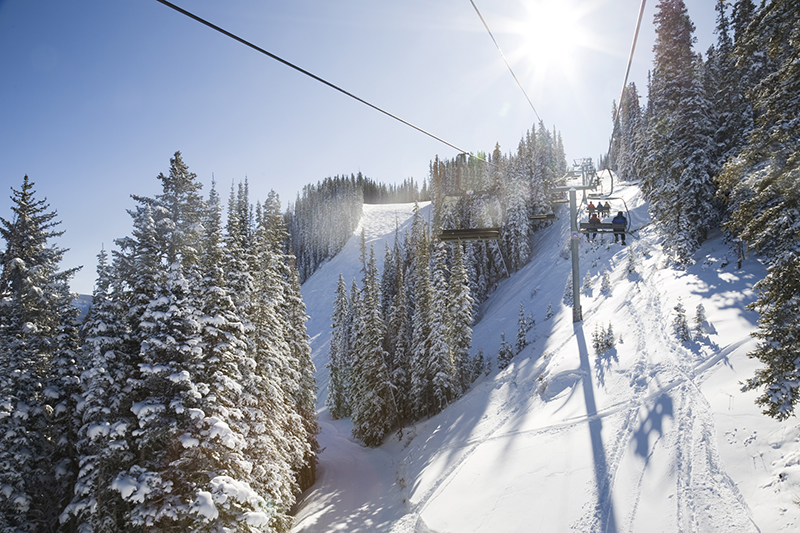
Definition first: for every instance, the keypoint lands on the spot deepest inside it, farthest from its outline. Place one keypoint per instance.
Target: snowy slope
(653, 435)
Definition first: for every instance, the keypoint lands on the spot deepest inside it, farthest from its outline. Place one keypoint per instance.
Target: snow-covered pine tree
(446, 386)
(274, 378)
(682, 193)
(422, 319)
(598, 336)
(62, 391)
(609, 341)
(238, 246)
(764, 185)
(615, 148)
(180, 197)
(523, 327)
(603, 339)
(399, 339)
(586, 286)
(339, 367)
(679, 324)
(548, 314)
(137, 266)
(699, 320)
(374, 410)
(549, 164)
(505, 354)
(605, 284)
(687, 209)
(411, 244)
(166, 392)
(632, 264)
(478, 364)
(725, 90)
(33, 315)
(102, 447)
(459, 330)
(515, 228)
(272, 229)
(275, 432)
(628, 158)
(224, 344)
(389, 279)
(182, 391)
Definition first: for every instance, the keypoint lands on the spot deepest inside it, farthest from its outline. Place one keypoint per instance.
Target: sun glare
(550, 37)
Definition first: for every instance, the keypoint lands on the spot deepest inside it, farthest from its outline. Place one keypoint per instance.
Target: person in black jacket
(620, 219)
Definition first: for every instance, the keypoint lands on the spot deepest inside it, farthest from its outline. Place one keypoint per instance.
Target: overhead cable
(310, 75)
(504, 59)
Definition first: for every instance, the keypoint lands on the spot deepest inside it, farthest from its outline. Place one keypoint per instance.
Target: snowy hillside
(651, 435)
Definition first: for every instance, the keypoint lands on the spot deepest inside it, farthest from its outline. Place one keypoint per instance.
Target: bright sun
(550, 37)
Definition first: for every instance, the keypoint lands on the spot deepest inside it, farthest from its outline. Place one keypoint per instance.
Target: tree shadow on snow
(652, 425)
(603, 362)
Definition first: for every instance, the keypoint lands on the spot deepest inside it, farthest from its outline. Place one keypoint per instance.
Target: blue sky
(97, 95)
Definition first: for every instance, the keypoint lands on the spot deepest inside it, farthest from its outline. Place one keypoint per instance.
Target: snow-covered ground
(653, 435)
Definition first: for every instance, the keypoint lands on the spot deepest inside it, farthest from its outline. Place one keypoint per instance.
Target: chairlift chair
(465, 234)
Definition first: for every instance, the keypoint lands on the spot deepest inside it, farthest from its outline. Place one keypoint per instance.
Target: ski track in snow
(659, 465)
(700, 474)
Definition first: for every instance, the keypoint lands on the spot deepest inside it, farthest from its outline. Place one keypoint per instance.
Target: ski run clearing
(652, 435)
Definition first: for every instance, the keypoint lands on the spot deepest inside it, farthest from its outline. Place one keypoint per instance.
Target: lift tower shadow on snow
(604, 510)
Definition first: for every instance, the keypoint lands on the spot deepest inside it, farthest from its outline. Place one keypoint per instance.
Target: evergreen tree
(586, 286)
(399, 339)
(225, 346)
(302, 393)
(441, 366)
(374, 410)
(515, 229)
(627, 154)
(632, 264)
(598, 336)
(609, 340)
(388, 279)
(726, 91)
(699, 321)
(603, 339)
(523, 327)
(478, 364)
(339, 367)
(36, 330)
(103, 447)
(679, 169)
(763, 187)
(460, 318)
(169, 333)
(274, 380)
(505, 354)
(605, 284)
(680, 324)
(424, 302)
